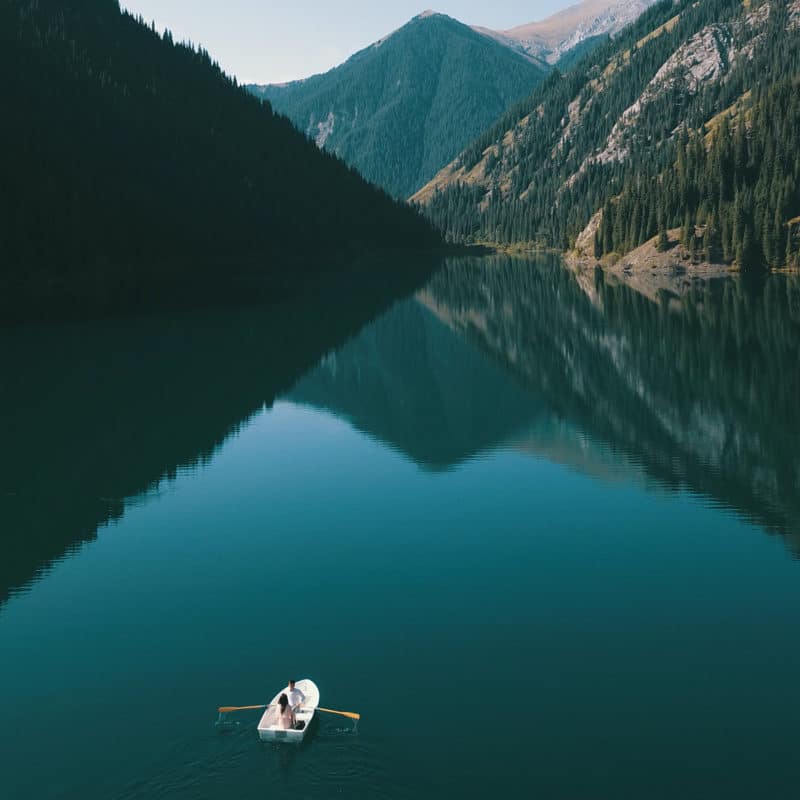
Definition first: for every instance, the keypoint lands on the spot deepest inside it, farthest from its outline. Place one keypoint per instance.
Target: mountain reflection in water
(93, 414)
(691, 387)
(696, 389)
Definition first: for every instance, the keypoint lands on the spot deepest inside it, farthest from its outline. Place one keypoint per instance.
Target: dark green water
(540, 530)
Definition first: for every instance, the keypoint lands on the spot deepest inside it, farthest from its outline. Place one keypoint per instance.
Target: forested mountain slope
(689, 118)
(402, 108)
(120, 149)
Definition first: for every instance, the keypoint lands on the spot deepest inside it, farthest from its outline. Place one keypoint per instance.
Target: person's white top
(296, 697)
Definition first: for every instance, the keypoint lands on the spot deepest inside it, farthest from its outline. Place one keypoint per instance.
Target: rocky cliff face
(703, 60)
(550, 39)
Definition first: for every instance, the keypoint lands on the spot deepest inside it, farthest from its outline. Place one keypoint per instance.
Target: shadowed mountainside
(130, 164)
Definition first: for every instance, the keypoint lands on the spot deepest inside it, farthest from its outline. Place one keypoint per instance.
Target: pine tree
(687, 230)
(744, 251)
(707, 244)
(663, 239)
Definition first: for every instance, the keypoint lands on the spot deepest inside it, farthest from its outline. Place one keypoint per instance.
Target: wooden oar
(228, 709)
(351, 714)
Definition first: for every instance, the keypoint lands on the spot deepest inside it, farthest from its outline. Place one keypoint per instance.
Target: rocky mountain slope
(403, 107)
(688, 118)
(551, 39)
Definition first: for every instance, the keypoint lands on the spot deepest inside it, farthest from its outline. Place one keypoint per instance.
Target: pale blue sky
(264, 41)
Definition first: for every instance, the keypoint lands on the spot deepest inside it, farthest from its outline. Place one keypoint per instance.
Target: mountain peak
(550, 38)
(403, 107)
(424, 15)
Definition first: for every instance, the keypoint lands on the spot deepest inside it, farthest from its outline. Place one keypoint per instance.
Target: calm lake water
(539, 528)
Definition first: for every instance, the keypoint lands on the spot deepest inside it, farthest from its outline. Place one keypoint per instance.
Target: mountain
(127, 160)
(405, 106)
(688, 119)
(584, 23)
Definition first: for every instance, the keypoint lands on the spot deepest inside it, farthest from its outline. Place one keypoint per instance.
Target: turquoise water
(537, 529)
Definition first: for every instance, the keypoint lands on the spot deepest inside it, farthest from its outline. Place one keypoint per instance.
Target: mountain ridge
(365, 109)
(403, 106)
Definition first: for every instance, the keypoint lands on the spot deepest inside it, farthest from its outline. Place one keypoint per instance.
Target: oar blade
(350, 714)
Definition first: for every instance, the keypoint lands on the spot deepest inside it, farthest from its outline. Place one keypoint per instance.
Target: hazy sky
(266, 41)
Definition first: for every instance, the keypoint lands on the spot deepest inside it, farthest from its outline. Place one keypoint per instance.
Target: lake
(538, 526)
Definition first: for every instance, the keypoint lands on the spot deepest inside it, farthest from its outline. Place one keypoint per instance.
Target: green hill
(403, 107)
(127, 160)
(689, 118)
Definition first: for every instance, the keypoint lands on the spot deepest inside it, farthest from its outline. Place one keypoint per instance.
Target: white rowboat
(270, 730)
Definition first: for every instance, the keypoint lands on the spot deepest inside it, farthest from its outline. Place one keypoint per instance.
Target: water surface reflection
(93, 414)
(692, 385)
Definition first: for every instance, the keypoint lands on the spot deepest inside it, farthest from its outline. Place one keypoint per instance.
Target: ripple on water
(333, 760)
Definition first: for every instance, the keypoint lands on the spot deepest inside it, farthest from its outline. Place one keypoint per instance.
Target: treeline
(121, 149)
(679, 166)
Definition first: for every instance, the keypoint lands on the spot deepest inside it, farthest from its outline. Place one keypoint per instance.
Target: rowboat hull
(270, 731)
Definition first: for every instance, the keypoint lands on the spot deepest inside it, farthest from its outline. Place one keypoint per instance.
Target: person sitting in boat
(296, 697)
(286, 718)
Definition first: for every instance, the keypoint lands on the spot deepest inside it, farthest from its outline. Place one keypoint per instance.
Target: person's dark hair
(283, 701)
(292, 682)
